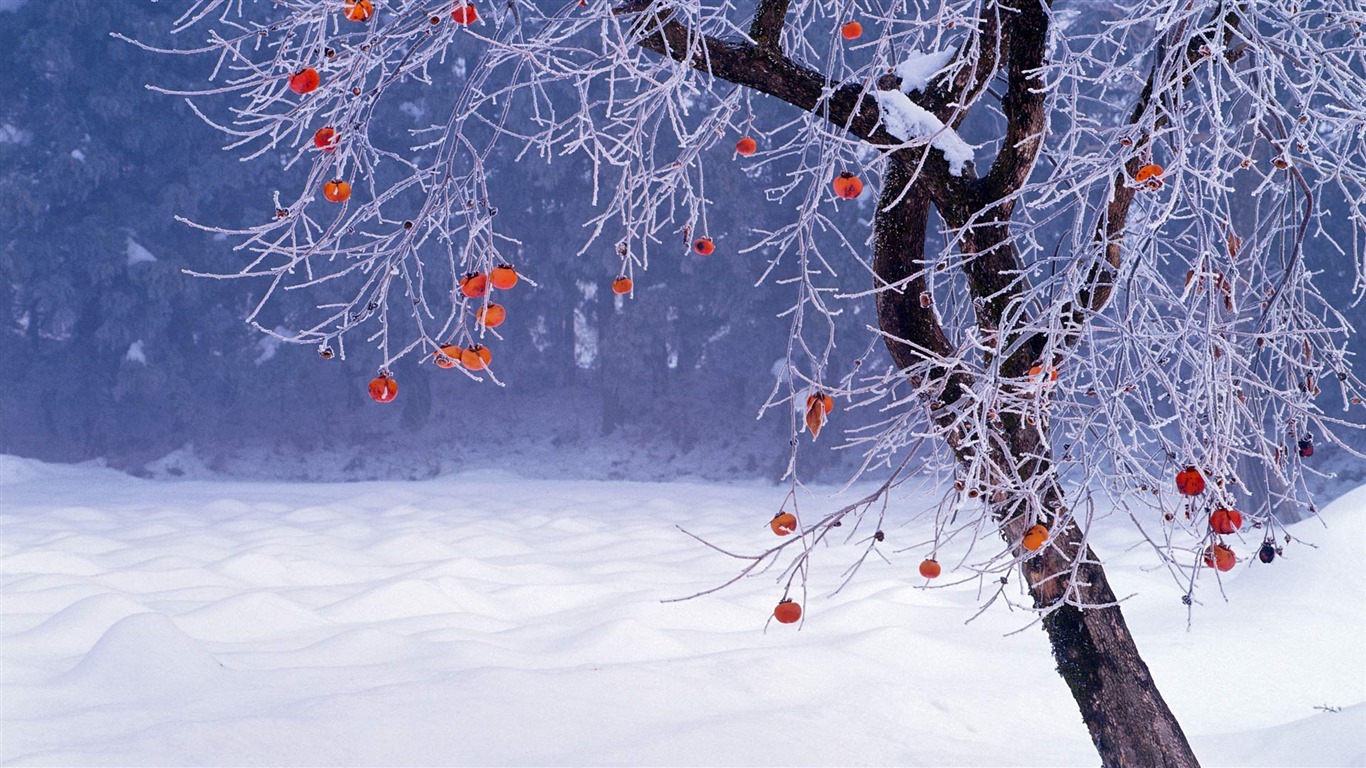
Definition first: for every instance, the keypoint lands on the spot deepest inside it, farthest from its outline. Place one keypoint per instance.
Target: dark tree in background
(1089, 243)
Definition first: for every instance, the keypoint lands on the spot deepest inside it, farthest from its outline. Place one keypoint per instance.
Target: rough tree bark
(1129, 722)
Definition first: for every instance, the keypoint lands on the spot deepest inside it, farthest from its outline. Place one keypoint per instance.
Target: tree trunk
(1129, 722)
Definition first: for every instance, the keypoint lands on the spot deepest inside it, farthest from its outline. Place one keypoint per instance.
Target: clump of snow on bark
(908, 121)
(135, 353)
(920, 68)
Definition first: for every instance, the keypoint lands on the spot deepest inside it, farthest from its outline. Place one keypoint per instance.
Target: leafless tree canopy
(1096, 222)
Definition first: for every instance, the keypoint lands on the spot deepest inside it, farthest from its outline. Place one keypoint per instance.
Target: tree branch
(767, 29)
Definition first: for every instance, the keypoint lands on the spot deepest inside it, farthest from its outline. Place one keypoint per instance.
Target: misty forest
(925, 374)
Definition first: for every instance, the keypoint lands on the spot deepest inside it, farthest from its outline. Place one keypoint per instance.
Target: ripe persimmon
(1151, 170)
(746, 146)
(325, 139)
(358, 10)
(336, 191)
(491, 316)
(464, 13)
(474, 285)
(383, 389)
(1225, 521)
(929, 568)
(447, 357)
(503, 277)
(476, 357)
(851, 31)
(704, 246)
(1190, 482)
(847, 186)
(1035, 538)
(783, 523)
(305, 80)
(787, 612)
(1220, 557)
(621, 286)
(827, 402)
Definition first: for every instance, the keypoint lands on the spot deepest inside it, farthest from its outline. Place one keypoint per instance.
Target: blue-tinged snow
(482, 618)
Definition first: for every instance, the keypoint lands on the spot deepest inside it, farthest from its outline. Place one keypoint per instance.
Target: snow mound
(145, 655)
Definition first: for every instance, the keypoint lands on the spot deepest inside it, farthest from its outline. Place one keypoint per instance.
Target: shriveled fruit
(1036, 372)
(818, 406)
(783, 523)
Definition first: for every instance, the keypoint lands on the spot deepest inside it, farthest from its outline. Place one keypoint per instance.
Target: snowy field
(490, 620)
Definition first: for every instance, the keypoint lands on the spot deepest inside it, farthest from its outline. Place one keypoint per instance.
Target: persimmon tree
(1090, 237)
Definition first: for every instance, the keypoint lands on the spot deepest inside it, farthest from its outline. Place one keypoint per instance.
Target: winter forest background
(114, 353)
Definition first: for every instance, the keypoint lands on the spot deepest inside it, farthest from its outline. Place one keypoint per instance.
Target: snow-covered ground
(484, 619)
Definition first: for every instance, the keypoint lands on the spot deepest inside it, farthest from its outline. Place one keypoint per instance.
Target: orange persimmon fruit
(1149, 171)
(1034, 538)
(476, 357)
(383, 389)
(851, 31)
(464, 13)
(447, 356)
(1220, 557)
(358, 10)
(491, 316)
(622, 285)
(336, 191)
(704, 246)
(847, 186)
(1190, 482)
(305, 80)
(746, 146)
(474, 285)
(783, 523)
(787, 612)
(817, 407)
(929, 568)
(503, 277)
(325, 139)
(1225, 521)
